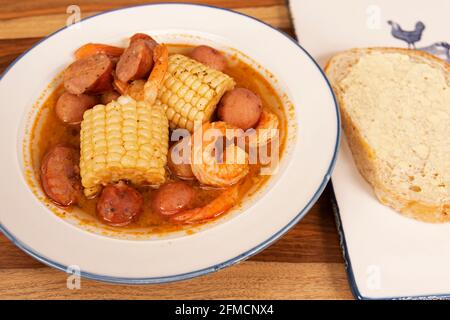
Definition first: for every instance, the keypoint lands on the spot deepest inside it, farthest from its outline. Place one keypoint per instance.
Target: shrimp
(120, 86)
(156, 78)
(90, 49)
(224, 202)
(265, 131)
(206, 166)
(141, 90)
(136, 90)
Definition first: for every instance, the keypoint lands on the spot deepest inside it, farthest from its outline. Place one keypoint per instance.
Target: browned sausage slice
(92, 74)
(136, 62)
(172, 198)
(119, 204)
(240, 107)
(71, 107)
(149, 40)
(60, 175)
(209, 57)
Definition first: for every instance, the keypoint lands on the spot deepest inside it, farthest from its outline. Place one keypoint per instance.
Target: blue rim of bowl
(217, 267)
(348, 264)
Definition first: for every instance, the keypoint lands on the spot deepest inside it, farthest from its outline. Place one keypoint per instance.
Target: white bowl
(305, 168)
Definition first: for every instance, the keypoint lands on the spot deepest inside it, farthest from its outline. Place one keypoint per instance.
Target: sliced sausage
(209, 57)
(136, 62)
(149, 40)
(71, 107)
(172, 198)
(109, 96)
(178, 164)
(119, 204)
(240, 107)
(60, 175)
(92, 74)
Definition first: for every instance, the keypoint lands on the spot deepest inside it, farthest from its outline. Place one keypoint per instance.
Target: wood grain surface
(306, 263)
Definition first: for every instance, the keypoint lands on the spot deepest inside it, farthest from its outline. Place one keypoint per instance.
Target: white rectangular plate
(387, 255)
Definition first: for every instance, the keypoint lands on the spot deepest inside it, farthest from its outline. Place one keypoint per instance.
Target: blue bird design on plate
(410, 37)
(439, 49)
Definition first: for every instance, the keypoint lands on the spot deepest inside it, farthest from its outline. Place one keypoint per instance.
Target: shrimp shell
(205, 165)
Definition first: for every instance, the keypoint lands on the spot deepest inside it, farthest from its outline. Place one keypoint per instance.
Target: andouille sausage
(209, 57)
(60, 175)
(149, 40)
(172, 198)
(136, 62)
(109, 96)
(119, 204)
(240, 107)
(71, 107)
(92, 74)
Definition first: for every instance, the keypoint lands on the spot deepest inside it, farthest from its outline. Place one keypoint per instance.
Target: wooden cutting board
(304, 264)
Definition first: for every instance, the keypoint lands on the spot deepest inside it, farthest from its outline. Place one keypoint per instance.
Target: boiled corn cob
(191, 92)
(124, 140)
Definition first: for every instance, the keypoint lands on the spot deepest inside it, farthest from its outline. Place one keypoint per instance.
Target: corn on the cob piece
(124, 140)
(191, 92)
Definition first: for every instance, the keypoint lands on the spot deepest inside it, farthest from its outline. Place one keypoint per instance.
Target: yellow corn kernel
(191, 92)
(124, 140)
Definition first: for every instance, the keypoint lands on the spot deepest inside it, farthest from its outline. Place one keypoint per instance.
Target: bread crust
(365, 157)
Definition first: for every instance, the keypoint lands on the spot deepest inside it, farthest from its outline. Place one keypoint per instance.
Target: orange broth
(52, 132)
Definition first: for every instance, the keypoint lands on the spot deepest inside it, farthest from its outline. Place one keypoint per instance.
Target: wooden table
(305, 264)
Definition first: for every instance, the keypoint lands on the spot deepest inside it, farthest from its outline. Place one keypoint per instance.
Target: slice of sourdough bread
(395, 107)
